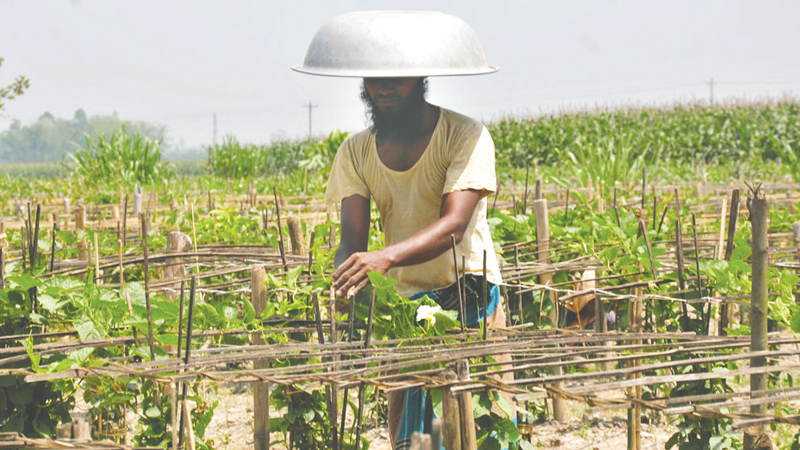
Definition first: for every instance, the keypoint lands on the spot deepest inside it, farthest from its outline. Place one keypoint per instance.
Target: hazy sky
(178, 62)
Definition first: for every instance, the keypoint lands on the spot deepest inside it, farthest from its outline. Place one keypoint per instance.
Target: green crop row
(611, 147)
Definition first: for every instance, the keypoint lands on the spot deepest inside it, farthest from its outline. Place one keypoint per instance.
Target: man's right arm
(354, 228)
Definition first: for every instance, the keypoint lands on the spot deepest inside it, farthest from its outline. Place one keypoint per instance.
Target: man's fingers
(360, 286)
(349, 281)
(341, 269)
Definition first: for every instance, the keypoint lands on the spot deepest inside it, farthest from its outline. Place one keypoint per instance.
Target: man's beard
(403, 124)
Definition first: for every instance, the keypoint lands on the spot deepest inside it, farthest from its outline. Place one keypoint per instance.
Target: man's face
(395, 106)
(389, 94)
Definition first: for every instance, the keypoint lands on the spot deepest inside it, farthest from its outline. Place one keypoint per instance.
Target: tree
(13, 90)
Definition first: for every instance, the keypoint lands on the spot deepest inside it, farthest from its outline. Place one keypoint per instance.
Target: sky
(178, 63)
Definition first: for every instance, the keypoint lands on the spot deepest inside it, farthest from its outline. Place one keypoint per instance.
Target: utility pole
(711, 87)
(310, 107)
(215, 128)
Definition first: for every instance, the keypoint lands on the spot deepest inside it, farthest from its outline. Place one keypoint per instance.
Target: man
(428, 169)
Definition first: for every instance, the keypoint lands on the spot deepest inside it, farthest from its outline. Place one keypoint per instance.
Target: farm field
(136, 295)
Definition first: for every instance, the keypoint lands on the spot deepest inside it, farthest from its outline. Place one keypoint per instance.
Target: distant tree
(51, 139)
(13, 90)
(80, 116)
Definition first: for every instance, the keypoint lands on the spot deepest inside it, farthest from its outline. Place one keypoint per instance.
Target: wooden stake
(187, 424)
(452, 420)
(705, 316)
(726, 309)
(175, 267)
(296, 235)
(644, 186)
(83, 253)
(96, 259)
(3, 244)
(258, 297)
(720, 249)
(189, 328)
(543, 255)
(759, 305)
(643, 231)
(732, 222)
(635, 411)
(121, 264)
(147, 288)
(52, 248)
(466, 415)
(280, 227)
(681, 277)
(173, 402)
(461, 312)
(525, 200)
(321, 339)
(180, 320)
(485, 299)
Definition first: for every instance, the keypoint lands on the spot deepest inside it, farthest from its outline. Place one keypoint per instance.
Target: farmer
(428, 169)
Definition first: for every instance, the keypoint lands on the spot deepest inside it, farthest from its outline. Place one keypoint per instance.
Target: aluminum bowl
(395, 44)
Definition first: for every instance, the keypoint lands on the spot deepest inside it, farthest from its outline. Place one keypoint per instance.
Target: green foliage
(33, 410)
(231, 159)
(610, 148)
(13, 90)
(123, 159)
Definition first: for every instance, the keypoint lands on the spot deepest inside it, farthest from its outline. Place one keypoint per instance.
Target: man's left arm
(454, 217)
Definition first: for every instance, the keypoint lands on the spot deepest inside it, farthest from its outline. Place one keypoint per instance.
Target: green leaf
(79, 356)
(136, 292)
(719, 443)
(21, 395)
(87, 330)
(482, 404)
(167, 339)
(502, 403)
(795, 321)
(35, 359)
(15, 424)
(380, 281)
(153, 412)
(489, 443)
(210, 314)
(249, 311)
(436, 399)
(23, 281)
(49, 303)
(507, 428)
(525, 445)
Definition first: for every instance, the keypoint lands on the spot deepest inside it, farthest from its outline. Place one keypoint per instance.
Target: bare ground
(232, 429)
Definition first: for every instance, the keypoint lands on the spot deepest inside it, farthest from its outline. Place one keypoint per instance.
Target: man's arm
(454, 217)
(355, 228)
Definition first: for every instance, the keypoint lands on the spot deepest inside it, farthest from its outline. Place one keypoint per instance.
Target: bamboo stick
(147, 288)
(461, 313)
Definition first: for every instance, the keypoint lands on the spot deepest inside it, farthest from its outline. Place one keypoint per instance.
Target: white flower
(425, 312)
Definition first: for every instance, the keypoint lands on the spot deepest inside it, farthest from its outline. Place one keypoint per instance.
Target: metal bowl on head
(395, 44)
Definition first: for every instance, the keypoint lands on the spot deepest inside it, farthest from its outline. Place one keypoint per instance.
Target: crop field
(650, 262)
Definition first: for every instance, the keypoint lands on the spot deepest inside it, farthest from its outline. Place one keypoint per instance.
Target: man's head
(395, 106)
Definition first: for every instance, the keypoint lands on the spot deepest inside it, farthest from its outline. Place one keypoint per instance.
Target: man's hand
(351, 276)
